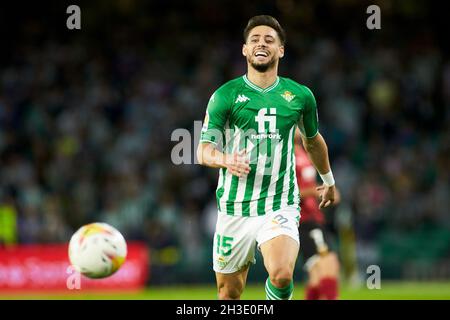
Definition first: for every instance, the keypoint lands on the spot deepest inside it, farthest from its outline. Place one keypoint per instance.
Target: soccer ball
(97, 250)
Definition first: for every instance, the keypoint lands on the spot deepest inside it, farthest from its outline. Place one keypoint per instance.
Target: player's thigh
(280, 255)
(234, 243)
(279, 240)
(231, 285)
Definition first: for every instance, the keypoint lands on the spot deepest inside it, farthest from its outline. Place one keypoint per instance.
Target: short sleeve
(216, 117)
(309, 121)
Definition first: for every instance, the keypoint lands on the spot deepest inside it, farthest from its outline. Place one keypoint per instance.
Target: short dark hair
(265, 20)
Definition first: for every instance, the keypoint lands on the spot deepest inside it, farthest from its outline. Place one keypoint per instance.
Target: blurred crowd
(85, 130)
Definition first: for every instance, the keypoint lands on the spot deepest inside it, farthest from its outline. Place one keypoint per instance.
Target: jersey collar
(259, 89)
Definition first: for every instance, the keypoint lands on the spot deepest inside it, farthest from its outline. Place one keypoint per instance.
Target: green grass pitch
(388, 291)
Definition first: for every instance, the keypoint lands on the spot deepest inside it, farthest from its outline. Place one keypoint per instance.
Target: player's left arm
(317, 149)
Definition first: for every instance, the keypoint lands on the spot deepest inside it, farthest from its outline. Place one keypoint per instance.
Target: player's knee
(281, 277)
(229, 293)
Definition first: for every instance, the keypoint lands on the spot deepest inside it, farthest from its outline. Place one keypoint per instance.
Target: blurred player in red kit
(321, 264)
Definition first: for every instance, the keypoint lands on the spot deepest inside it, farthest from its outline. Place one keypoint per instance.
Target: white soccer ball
(97, 250)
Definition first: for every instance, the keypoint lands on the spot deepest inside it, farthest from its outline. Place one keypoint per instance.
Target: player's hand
(327, 195)
(337, 194)
(238, 164)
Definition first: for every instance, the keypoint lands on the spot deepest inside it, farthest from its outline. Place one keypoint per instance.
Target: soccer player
(248, 133)
(321, 263)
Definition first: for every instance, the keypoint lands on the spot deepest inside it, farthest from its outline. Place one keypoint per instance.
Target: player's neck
(262, 79)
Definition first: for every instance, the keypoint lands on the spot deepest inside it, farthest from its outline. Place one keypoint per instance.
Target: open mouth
(261, 54)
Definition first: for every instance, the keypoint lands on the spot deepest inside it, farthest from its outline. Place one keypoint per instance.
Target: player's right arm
(217, 114)
(236, 163)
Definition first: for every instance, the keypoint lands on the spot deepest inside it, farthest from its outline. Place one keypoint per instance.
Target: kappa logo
(288, 96)
(241, 98)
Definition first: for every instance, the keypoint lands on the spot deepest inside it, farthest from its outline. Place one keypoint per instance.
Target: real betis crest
(288, 96)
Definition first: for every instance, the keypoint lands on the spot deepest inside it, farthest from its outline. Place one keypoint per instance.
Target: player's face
(263, 48)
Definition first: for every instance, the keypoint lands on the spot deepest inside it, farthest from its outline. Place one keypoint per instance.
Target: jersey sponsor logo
(288, 96)
(265, 136)
(241, 98)
(263, 117)
(266, 115)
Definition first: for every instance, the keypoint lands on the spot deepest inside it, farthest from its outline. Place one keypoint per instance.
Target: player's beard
(263, 67)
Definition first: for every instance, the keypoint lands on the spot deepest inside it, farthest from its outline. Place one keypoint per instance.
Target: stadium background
(86, 118)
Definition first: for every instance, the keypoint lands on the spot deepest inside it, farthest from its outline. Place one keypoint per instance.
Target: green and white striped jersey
(241, 115)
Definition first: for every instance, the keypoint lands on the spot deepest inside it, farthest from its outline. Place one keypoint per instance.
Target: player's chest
(265, 111)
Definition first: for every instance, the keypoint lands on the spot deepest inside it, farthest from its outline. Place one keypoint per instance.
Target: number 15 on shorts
(224, 245)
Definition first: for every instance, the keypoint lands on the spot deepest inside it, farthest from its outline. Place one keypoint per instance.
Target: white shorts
(236, 237)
